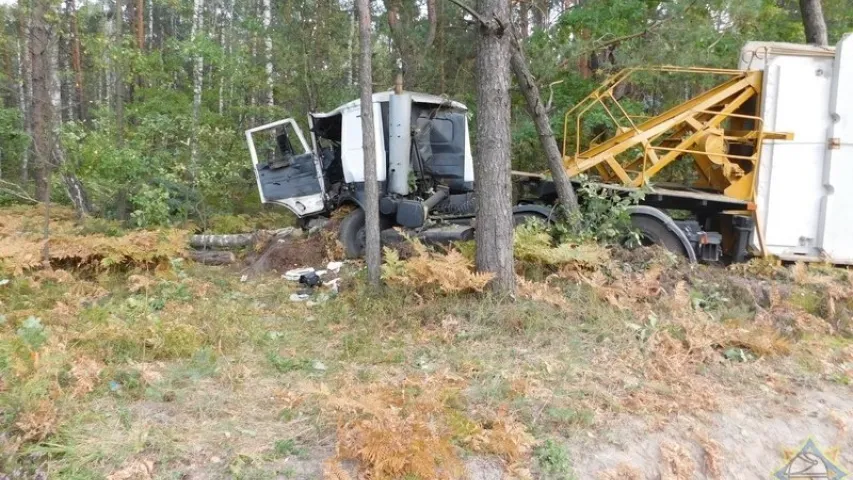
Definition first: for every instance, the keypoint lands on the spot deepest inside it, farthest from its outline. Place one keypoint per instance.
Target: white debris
(333, 284)
(318, 365)
(334, 267)
(293, 275)
(320, 273)
(244, 278)
(299, 297)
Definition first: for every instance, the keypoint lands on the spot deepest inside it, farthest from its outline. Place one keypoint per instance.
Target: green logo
(810, 463)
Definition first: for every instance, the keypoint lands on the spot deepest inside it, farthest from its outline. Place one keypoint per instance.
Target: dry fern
(450, 272)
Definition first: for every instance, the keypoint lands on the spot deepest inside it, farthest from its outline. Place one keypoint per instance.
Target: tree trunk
(25, 86)
(118, 18)
(350, 42)
(198, 70)
(537, 112)
(494, 234)
(432, 17)
(266, 14)
(140, 24)
(813, 22)
(372, 253)
(76, 60)
(524, 18)
(212, 257)
(41, 98)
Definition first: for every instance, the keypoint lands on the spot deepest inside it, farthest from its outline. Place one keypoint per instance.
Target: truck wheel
(653, 232)
(352, 234)
(521, 218)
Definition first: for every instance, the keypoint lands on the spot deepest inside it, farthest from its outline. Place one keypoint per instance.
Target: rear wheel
(653, 232)
(519, 219)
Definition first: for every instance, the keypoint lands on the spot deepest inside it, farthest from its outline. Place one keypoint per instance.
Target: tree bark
(432, 17)
(266, 14)
(198, 78)
(76, 60)
(140, 24)
(42, 107)
(25, 86)
(533, 99)
(372, 253)
(524, 18)
(813, 22)
(212, 257)
(494, 234)
(118, 18)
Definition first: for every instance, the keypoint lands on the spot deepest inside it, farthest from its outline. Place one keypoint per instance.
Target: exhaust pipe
(399, 142)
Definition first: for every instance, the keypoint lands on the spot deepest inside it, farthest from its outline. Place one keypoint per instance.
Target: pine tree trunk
(432, 17)
(76, 61)
(494, 234)
(533, 99)
(42, 104)
(813, 22)
(372, 253)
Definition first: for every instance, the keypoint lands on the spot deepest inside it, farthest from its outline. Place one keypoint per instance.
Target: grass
(186, 370)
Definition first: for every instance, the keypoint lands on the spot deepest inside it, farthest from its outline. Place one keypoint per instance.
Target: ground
(607, 364)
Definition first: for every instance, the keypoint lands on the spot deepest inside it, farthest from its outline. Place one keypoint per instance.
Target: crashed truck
(770, 146)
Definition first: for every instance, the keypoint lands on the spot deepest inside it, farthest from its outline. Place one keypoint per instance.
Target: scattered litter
(4, 281)
(318, 365)
(334, 267)
(296, 273)
(299, 297)
(321, 272)
(310, 279)
(244, 278)
(333, 284)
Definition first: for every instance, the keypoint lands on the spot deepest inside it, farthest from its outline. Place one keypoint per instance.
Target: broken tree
(527, 84)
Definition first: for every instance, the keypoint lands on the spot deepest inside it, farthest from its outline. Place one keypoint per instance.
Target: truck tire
(653, 232)
(521, 218)
(352, 235)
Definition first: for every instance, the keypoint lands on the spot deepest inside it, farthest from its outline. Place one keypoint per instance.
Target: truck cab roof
(383, 97)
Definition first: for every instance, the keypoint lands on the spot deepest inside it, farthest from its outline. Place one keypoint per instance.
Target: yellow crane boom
(719, 130)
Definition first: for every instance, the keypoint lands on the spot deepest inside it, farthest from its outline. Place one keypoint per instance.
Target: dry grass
(185, 369)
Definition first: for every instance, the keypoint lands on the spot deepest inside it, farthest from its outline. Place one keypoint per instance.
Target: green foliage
(553, 461)
(603, 217)
(32, 333)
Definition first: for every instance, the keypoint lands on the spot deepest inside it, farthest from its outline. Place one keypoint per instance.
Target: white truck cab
(313, 179)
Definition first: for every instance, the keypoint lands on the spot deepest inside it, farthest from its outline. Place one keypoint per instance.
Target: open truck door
(286, 177)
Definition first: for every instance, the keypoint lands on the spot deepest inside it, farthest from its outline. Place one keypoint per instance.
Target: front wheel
(352, 233)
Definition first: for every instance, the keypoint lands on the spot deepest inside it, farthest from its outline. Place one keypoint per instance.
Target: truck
(768, 150)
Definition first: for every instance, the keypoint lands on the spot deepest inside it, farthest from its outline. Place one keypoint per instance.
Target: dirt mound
(298, 249)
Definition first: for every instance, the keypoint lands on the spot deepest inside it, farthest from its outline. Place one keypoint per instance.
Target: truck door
(284, 175)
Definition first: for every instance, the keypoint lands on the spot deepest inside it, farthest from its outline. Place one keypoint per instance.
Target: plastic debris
(333, 284)
(334, 267)
(293, 275)
(299, 297)
(310, 279)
